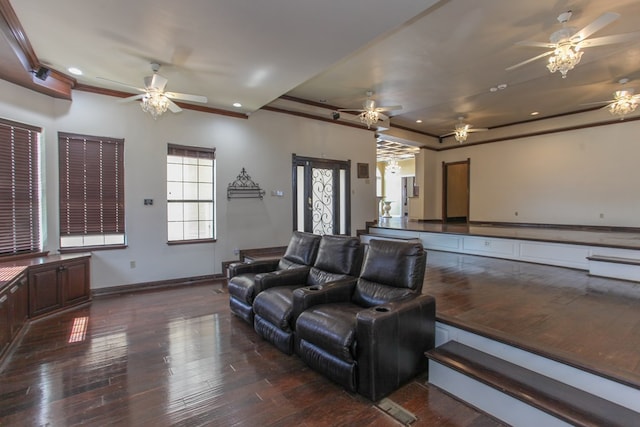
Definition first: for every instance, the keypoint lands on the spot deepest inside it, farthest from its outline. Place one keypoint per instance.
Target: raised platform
(598, 252)
(554, 321)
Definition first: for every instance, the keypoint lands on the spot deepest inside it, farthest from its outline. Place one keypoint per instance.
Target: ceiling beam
(41, 78)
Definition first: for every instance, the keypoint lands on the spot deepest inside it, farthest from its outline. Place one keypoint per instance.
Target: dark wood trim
(10, 258)
(542, 132)
(57, 85)
(145, 286)
(557, 226)
(120, 94)
(17, 37)
(314, 117)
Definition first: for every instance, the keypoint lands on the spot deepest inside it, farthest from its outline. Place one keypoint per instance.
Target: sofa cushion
(274, 306)
(331, 327)
(302, 250)
(339, 255)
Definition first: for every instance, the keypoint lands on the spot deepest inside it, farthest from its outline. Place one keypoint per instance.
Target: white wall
(568, 177)
(263, 144)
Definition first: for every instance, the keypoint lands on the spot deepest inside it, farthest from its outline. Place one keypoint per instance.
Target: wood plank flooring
(552, 310)
(178, 357)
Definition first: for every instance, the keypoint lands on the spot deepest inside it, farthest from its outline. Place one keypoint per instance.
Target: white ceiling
(438, 59)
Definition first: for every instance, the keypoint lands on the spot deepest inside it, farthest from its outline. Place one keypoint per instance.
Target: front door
(321, 195)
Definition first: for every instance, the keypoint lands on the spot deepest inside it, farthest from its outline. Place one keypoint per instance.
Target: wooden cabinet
(57, 285)
(39, 286)
(14, 300)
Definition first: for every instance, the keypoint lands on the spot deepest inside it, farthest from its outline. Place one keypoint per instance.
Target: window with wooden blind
(190, 188)
(20, 217)
(91, 191)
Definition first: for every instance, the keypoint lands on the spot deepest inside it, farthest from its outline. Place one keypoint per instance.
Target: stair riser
(500, 405)
(602, 387)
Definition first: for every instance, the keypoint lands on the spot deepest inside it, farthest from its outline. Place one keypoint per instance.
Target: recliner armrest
(255, 267)
(392, 339)
(293, 276)
(330, 292)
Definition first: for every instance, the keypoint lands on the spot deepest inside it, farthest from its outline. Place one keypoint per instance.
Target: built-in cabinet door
(75, 279)
(19, 296)
(44, 292)
(5, 324)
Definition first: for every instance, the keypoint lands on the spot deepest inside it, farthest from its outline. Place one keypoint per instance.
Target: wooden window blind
(91, 185)
(19, 188)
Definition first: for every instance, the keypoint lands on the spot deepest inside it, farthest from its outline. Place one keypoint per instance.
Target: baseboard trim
(145, 286)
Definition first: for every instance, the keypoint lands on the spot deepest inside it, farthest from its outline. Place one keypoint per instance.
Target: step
(529, 389)
(365, 238)
(615, 267)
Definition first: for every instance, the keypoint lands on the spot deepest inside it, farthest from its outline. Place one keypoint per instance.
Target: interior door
(321, 195)
(455, 204)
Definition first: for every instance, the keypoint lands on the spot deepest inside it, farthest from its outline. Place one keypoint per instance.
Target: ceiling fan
(624, 101)
(567, 42)
(154, 99)
(462, 130)
(369, 113)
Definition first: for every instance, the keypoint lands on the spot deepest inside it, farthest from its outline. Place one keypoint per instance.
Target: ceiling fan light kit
(154, 103)
(625, 102)
(153, 98)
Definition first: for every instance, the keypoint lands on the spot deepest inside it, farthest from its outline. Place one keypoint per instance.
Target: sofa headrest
(302, 248)
(395, 263)
(339, 254)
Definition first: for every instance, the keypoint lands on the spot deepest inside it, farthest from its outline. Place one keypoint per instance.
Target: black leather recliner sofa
(369, 334)
(245, 279)
(339, 257)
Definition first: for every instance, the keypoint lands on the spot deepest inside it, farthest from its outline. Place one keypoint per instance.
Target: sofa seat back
(390, 272)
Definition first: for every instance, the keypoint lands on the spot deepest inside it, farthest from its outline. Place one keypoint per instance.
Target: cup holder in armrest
(382, 309)
(314, 288)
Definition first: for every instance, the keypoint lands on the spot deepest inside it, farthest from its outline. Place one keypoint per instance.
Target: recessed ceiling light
(535, 113)
(418, 121)
(237, 104)
(75, 71)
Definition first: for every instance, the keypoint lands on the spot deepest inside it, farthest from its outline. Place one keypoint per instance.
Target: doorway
(455, 191)
(321, 195)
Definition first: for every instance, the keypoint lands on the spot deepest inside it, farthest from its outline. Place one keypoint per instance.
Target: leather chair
(369, 335)
(244, 278)
(339, 257)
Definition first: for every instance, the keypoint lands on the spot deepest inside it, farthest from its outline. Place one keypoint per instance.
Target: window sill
(188, 242)
(90, 249)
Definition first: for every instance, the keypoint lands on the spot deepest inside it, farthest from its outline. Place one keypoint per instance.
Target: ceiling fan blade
(617, 38)
(596, 25)
(347, 110)
(155, 82)
(477, 129)
(173, 107)
(132, 98)
(382, 117)
(122, 84)
(390, 108)
(447, 134)
(529, 60)
(186, 97)
(546, 45)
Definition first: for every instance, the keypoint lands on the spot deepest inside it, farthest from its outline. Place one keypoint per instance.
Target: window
(20, 218)
(91, 191)
(190, 189)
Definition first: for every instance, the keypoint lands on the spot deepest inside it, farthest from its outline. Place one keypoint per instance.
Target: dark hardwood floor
(178, 357)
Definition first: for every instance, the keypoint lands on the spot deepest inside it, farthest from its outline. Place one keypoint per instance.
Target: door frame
(445, 187)
(327, 164)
